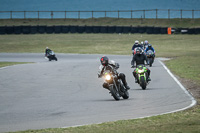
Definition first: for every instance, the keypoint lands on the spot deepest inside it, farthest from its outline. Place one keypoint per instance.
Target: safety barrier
(95, 29)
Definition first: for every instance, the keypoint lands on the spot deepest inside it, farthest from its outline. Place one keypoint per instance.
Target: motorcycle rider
(139, 58)
(142, 44)
(107, 64)
(47, 51)
(150, 48)
(145, 44)
(135, 45)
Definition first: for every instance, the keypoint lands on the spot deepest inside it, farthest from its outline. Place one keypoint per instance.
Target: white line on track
(182, 87)
(176, 80)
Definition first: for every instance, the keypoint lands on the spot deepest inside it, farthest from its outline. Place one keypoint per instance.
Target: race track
(68, 93)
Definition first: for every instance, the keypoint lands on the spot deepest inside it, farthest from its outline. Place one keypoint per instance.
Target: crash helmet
(146, 42)
(136, 42)
(138, 50)
(47, 47)
(149, 45)
(142, 42)
(104, 61)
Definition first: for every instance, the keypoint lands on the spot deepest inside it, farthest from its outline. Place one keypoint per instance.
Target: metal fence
(152, 13)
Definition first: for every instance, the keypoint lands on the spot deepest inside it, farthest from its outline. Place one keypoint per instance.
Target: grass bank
(175, 23)
(4, 64)
(183, 49)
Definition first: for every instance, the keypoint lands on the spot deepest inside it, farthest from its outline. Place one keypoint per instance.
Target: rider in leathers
(139, 58)
(112, 66)
(47, 51)
(136, 45)
(150, 48)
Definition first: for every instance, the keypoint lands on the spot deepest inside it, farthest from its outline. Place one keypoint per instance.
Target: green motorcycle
(141, 75)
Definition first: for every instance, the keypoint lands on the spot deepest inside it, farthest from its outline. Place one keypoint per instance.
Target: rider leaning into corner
(47, 51)
(107, 64)
(139, 58)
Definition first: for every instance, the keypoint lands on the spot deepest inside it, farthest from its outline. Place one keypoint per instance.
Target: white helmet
(136, 42)
(142, 42)
(146, 42)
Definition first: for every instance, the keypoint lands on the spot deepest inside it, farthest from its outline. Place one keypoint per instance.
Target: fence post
(38, 15)
(10, 14)
(131, 14)
(181, 13)
(65, 14)
(24, 14)
(105, 14)
(51, 14)
(144, 13)
(168, 13)
(118, 14)
(193, 14)
(79, 15)
(156, 13)
(92, 14)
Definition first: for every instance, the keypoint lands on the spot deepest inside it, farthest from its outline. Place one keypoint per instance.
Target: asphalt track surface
(68, 93)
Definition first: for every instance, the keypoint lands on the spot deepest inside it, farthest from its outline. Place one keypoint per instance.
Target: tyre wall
(43, 29)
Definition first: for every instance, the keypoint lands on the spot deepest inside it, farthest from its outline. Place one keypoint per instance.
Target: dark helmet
(149, 46)
(104, 60)
(138, 50)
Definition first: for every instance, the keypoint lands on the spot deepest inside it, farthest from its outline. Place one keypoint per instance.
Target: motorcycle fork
(140, 75)
(115, 84)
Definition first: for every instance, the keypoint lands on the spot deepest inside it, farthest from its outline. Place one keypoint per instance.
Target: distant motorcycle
(141, 75)
(150, 57)
(51, 56)
(116, 86)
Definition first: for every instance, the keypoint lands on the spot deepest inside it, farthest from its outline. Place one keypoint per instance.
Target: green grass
(183, 49)
(186, 67)
(4, 64)
(175, 23)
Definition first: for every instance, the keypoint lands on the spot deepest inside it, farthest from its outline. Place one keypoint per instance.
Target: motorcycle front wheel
(150, 62)
(126, 95)
(114, 93)
(143, 83)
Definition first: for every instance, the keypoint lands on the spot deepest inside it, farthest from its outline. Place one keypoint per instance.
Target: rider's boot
(136, 81)
(127, 87)
(149, 79)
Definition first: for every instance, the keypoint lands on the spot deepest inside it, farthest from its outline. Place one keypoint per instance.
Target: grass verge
(4, 64)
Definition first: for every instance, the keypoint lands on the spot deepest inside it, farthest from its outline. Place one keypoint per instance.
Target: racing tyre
(150, 62)
(114, 93)
(143, 83)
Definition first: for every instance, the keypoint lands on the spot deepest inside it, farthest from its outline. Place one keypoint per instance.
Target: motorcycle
(116, 86)
(141, 75)
(51, 56)
(150, 57)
